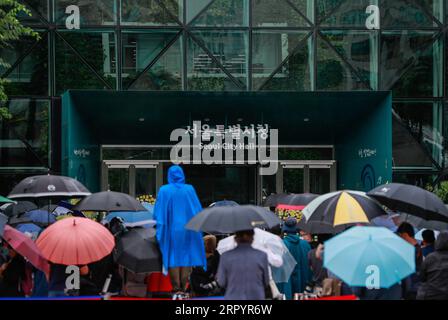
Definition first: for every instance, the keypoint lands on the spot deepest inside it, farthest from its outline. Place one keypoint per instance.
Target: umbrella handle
(106, 285)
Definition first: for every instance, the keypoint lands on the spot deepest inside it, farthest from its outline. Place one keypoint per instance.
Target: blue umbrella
(360, 253)
(133, 218)
(29, 227)
(40, 217)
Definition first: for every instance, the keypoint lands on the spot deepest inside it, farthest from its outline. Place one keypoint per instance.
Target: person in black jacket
(12, 273)
(434, 272)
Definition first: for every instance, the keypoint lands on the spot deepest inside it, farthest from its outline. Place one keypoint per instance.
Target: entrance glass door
(219, 182)
(317, 177)
(135, 178)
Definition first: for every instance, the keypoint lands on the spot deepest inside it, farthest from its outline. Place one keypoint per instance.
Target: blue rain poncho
(176, 204)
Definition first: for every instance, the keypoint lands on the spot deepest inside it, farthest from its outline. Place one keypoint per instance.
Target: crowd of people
(197, 265)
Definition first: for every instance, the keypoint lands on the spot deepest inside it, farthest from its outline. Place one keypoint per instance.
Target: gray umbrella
(109, 201)
(48, 186)
(229, 219)
(420, 223)
(137, 251)
(3, 221)
(18, 208)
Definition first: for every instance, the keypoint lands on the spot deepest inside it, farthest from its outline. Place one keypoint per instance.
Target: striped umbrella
(343, 207)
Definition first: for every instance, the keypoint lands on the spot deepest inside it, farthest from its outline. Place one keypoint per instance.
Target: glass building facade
(230, 45)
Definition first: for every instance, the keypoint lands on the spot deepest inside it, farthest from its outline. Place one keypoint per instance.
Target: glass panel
(350, 13)
(279, 13)
(140, 49)
(91, 13)
(424, 121)
(411, 64)
(118, 180)
(405, 13)
(151, 12)
(145, 182)
(224, 13)
(332, 72)
(25, 137)
(229, 48)
(166, 73)
(97, 48)
(293, 180)
(319, 181)
(269, 186)
(194, 8)
(39, 10)
(270, 49)
(358, 48)
(215, 183)
(412, 178)
(30, 77)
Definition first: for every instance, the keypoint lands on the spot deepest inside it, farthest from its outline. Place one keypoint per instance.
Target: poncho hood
(176, 175)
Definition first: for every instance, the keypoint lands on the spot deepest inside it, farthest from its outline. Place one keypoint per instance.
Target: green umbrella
(5, 200)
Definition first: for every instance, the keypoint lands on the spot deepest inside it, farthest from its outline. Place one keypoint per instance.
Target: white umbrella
(279, 257)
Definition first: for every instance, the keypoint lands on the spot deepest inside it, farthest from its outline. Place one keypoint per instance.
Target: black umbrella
(137, 251)
(3, 221)
(292, 199)
(48, 186)
(420, 223)
(322, 227)
(14, 221)
(274, 199)
(412, 200)
(229, 219)
(109, 201)
(18, 208)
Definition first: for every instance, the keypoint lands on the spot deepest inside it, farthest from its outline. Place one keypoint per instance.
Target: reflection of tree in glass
(71, 73)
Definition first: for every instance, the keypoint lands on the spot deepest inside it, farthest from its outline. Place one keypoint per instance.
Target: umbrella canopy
(18, 208)
(40, 217)
(48, 186)
(230, 219)
(137, 251)
(354, 254)
(14, 221)
(300, 199)
(5, 200)
(75, 241)
(109, 201)
(412, 200)
(295, 199)
(132, 218)
(29, 228)
(279, 257)
(26, 247)
(3, 221)
(274, 199)
(224, 203)
(321, 227)
(420, 223)
(343, 207)
(385, 221)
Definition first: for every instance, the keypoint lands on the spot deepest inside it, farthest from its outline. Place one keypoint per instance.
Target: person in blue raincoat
(299, 249)
(181, 249)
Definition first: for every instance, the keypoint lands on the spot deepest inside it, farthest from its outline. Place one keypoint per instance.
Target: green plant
(10, 30)
(441, 190)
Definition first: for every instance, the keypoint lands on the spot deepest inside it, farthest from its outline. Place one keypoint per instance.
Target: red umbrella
(26, 247)
(75, 241)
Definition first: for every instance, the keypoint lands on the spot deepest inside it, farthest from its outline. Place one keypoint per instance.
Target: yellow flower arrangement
(284, 214)
(146, 198)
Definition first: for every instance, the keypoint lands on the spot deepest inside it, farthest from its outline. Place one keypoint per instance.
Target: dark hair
(406, 228)
(245, 236)
(428, 236)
